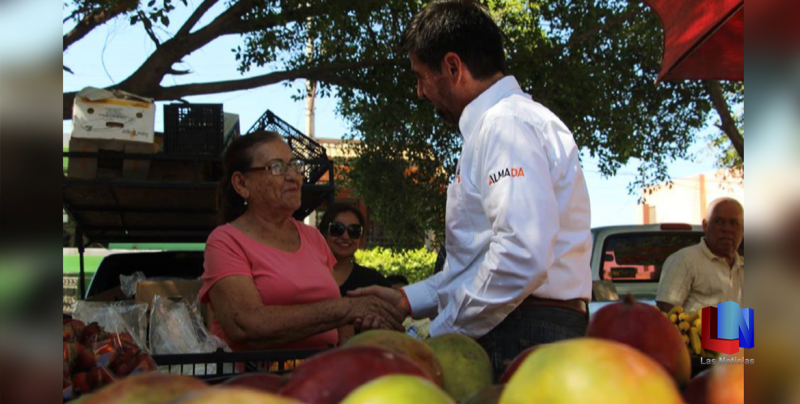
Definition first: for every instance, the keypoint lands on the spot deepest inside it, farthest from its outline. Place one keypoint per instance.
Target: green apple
(398, 389)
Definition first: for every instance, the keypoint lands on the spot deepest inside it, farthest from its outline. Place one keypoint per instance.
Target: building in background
(686, 199)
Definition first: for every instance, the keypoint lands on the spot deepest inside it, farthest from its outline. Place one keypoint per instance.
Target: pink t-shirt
(282, 278)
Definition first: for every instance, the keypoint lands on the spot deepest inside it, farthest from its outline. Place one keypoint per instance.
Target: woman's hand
(392, 296)
(373, 312)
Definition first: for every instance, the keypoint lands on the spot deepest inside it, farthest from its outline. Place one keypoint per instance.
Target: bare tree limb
(728, 124)
(314, 73)
(195, 17)
(325, 73)
(176, 72)
(96, 19)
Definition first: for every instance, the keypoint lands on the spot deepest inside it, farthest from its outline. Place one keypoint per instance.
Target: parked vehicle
(629, 259)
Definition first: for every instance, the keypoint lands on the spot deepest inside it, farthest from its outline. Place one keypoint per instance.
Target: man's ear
(452, 66)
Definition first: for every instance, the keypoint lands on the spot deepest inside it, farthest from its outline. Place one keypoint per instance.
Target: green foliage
(416, 264)
(727, 157)
(593, 63)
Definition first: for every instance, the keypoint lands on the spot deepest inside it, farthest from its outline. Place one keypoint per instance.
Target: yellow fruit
(465, 364)
(685, 339)
(684, 326)
(698, 323)
(673, 317)
(398, 389)
(694, 316)
(683, 317)
(694, 335)
(589, 370)
(676, 310)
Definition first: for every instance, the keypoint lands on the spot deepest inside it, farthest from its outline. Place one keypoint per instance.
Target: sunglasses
(337, 229)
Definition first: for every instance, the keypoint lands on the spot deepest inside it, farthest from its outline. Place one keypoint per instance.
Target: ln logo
(728, 328)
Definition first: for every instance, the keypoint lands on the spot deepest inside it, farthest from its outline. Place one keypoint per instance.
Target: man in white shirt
(518, 236)
(712, 271)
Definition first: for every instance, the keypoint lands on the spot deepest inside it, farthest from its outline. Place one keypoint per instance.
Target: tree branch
(95, 19)
(728, 124)
(148, 27)
(322, 73)
(195, 17)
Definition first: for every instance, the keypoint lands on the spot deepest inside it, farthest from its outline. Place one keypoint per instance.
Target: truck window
(639, 257)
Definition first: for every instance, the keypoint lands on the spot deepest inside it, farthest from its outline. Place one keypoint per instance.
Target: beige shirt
(694, 277)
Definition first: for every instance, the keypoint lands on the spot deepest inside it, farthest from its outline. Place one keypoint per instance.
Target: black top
(362, 277)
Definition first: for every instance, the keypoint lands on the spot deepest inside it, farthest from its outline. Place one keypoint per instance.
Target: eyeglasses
(337, 229)
(279, 167)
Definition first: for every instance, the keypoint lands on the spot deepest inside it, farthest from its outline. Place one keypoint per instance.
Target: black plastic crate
(219, 366)
(312, 153)
(194, 129)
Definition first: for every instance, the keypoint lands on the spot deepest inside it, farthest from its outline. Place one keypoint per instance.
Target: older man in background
(712, 271)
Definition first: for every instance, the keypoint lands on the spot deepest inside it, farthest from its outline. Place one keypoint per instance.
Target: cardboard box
(114, 167)
(146, 290)
(113, 115)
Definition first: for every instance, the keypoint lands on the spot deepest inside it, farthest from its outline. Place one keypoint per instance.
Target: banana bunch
(689, 325)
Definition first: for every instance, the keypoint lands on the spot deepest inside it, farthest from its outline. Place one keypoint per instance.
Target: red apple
(512, 367)
(329, 377)
(645, 328)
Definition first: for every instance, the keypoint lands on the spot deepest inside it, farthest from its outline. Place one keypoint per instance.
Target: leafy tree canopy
(593, 63)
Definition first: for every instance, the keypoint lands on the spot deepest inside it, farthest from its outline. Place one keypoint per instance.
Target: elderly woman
(267, 276)
(343, 228)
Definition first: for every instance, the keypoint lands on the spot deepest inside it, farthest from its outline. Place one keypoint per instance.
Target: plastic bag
(117, 318)
(128, 283)
(176, 327)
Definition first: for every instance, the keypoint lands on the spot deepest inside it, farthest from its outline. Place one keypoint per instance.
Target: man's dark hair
(461, 26)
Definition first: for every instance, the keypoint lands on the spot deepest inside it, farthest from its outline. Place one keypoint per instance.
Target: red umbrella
(702, 39)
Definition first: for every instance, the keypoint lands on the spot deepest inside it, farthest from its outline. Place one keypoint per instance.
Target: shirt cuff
(423, 300)
(439, 327)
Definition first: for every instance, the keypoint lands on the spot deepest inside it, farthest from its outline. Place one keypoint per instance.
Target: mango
(466, 367)
(403, 344)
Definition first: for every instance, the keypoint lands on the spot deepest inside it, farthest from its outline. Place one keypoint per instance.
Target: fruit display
(643, 327)
(399, 389)
(94, 358)
(330, 376)
(690, 326)
(402, 344)
(388, 368)
(466, 368)
(590, 370)
(145, 388)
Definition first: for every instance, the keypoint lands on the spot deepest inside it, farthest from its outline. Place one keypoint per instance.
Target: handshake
(377, 307)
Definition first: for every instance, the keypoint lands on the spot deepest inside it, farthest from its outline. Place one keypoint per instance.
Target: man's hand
(392, 296)
(367, 312)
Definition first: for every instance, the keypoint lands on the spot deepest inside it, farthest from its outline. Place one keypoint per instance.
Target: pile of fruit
(631, 354)
(690, 326)
(94, 358)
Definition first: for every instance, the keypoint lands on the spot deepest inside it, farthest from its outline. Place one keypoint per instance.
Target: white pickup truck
(629, 259)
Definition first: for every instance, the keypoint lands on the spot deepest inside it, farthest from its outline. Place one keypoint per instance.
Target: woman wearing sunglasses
(343, 228)
(267, 276)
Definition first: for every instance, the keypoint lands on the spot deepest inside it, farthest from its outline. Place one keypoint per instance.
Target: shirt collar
(474, 110)
(708, 253)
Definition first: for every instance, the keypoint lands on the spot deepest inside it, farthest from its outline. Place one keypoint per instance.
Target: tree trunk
(728, 124)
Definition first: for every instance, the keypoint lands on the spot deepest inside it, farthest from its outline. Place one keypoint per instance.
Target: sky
(111, 52)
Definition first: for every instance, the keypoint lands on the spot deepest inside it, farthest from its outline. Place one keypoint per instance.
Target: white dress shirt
(517, 218)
